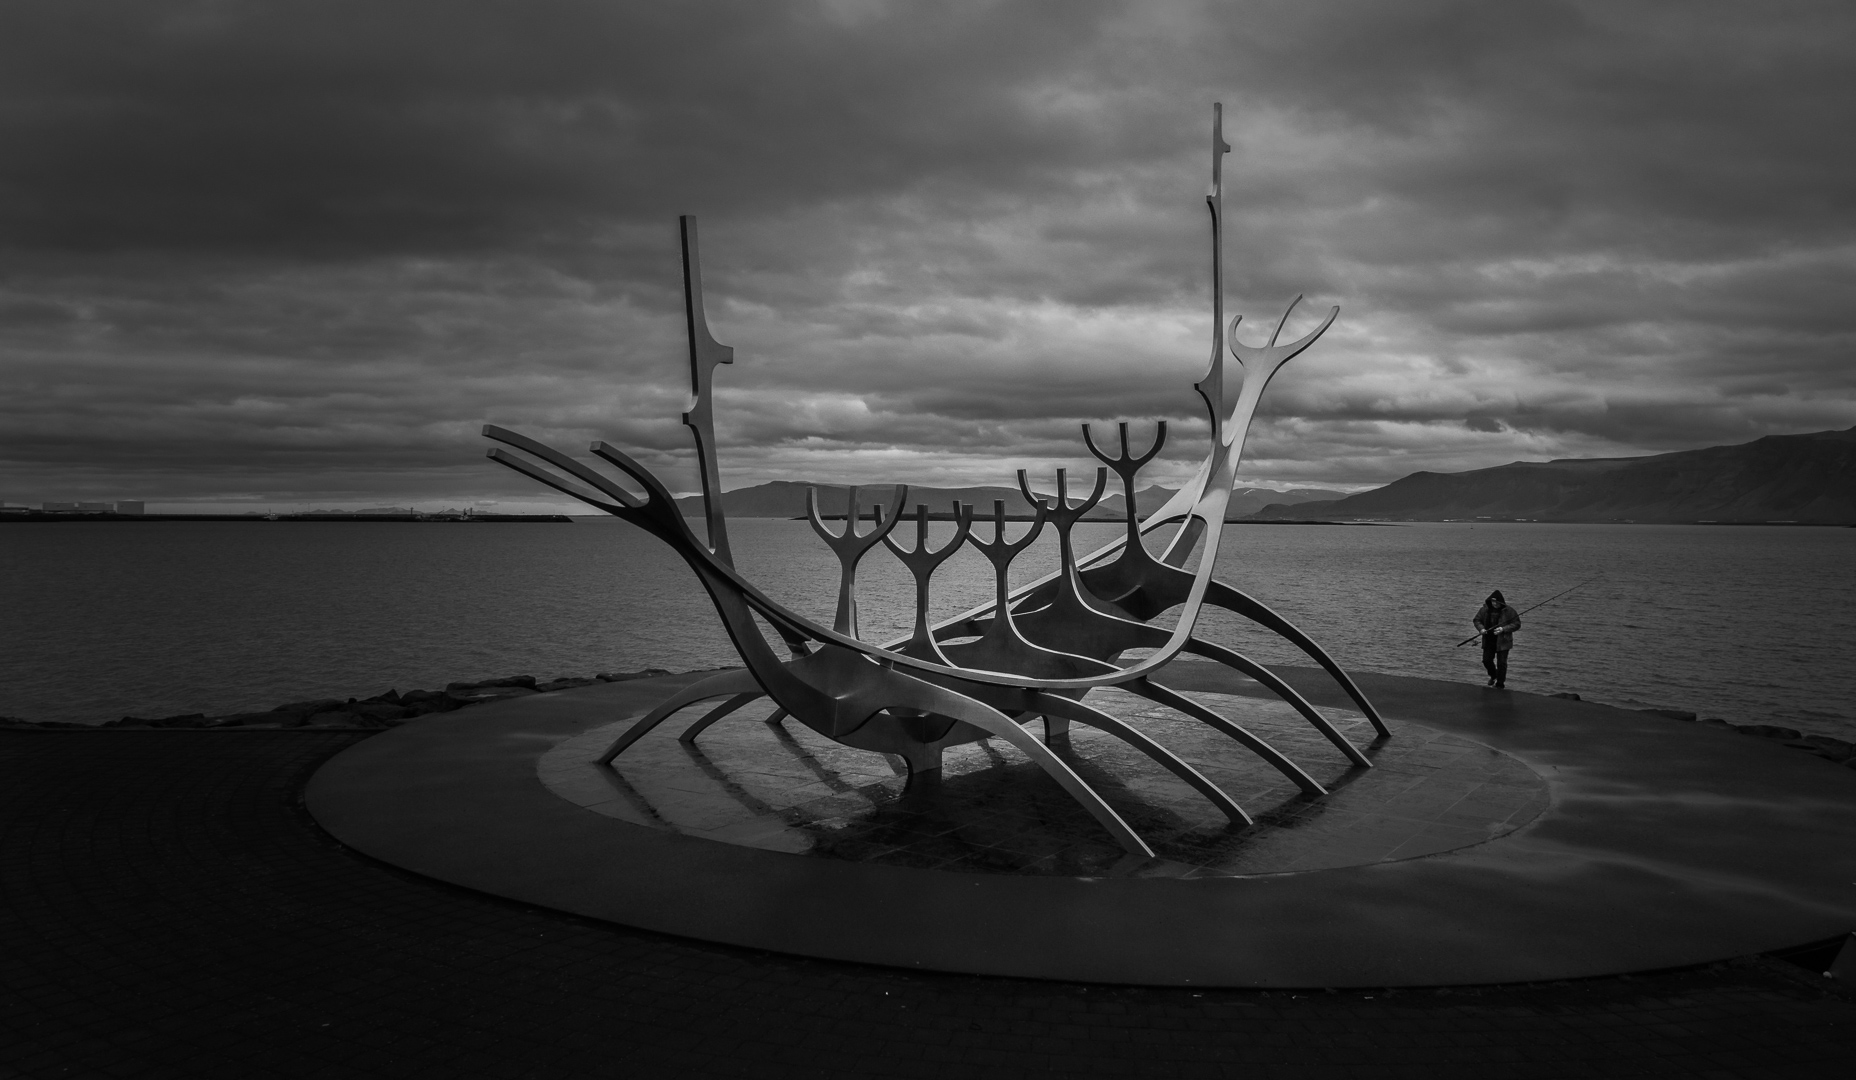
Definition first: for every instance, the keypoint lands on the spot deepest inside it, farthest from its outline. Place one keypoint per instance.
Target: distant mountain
(1248, 500)
(1805, 478)
(787, 499)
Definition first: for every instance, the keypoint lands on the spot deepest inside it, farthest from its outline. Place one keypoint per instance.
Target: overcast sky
(297, 253)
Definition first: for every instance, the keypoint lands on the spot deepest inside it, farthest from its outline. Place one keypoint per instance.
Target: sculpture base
(990, 810)
(1501, 837)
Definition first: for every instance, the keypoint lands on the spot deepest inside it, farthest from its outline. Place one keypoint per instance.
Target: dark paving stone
(168, 910)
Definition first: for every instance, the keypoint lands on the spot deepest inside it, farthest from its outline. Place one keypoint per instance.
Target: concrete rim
(1667, 844)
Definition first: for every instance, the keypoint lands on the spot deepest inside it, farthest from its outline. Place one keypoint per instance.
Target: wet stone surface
(785, 788)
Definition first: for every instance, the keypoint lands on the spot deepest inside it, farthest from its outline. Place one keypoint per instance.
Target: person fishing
(1497, 622)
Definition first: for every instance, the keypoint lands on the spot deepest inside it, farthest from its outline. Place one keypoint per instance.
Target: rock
(346, 718)
(17, 724)
(523, 682)
(1717, 722)
(563, 684)
(1824, 746)
(178, 721)
(494, 693)
(299, 710)
(350, 717)
(1673, 714)
(380, 711)
(437, 703)
(1767, 731)
(1568, 697)
(627, 676)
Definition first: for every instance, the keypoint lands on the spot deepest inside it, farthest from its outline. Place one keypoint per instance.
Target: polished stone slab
(1663, 844)
(785, 788)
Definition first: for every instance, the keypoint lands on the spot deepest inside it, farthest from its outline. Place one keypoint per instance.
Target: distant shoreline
(39, 518)
(565, 519)
(1531, 521)
(978, 519)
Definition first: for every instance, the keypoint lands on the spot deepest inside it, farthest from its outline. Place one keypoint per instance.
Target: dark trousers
(1494, 660)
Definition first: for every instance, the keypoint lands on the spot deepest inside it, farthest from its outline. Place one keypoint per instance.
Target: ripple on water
(155, 618)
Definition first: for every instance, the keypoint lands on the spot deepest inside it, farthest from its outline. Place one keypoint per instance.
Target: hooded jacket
(1498, 616)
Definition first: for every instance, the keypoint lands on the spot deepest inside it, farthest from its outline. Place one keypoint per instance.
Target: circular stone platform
(787, 788)
(1500, 837)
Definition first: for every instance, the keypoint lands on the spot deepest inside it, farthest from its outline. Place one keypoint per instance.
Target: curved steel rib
(737, 684)
(1283, 690)
(1053, 705)
(1230, 599)
(1152, 691)
(717, 713)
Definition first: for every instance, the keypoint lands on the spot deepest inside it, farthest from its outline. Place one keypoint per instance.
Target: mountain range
(1780, 478)
(787, 499)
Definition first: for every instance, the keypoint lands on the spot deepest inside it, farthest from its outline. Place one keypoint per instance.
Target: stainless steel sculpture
(1035, 651)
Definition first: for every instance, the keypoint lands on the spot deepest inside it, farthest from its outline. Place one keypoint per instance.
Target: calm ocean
(153, 618)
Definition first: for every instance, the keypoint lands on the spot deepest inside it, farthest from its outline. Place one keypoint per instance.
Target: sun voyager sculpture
(1031, 653)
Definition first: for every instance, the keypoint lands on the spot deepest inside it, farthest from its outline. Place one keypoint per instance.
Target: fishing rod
(1542, 604)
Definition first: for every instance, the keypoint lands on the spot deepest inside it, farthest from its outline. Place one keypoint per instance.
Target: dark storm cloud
(360, 127)
(301, 250)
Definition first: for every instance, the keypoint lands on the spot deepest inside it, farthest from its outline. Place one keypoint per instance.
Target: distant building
(58, 507)
(129, 508)
(95, 508)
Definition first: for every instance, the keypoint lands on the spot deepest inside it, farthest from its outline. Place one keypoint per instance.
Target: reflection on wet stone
(991, 811)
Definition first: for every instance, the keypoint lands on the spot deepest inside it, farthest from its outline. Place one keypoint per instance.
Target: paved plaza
(169, 909)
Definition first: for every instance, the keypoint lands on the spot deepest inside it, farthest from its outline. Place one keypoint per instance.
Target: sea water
(101, 620)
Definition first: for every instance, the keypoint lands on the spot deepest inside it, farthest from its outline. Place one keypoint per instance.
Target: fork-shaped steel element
(1061, 514)
(1001, 647)
(1061, 615)
(851, 547)
(922, 563)
(1000, 641)
(1115, 581)
(1000, 552)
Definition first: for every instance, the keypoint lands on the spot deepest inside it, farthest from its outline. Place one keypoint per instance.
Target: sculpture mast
(705, 353)
(1211, 387)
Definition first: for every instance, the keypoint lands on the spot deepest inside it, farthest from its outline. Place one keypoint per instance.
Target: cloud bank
(298, 252)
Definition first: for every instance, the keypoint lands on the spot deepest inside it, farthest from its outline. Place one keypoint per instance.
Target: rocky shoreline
(1839, 751)
(393, 708)
(390, 709)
